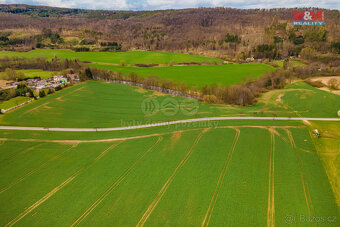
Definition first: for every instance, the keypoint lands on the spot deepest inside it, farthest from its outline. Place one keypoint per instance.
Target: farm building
(73, 77)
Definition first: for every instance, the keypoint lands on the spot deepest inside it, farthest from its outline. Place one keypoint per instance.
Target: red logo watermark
(308, 18)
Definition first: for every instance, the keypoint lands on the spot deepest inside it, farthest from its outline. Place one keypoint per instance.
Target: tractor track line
(302, 175)
(34, 170)
(142, 136)
(56, 189)
(99, 141)
(271, 206)
(160, 194)
(22, 152)
(220, 180)
(115, 184)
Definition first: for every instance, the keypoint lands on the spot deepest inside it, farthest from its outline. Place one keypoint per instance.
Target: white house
(59, 79)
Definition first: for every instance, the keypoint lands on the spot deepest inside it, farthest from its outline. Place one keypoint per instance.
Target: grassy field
(301, 99)
(256, 173)
(13, 102)
(192, 75)
(31, 73)
(95, 104)
(328, 148)
(99, 104)
(130, 57)
(293, 63)
(198, 75)
(167, 179)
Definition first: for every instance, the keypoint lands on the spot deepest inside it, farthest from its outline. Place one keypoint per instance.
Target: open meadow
(32, 73)
(99, 104)
(198, 75)
(258, 172)
(192, 75)
(252, 175)
(169, 113)
(129, 58)
(13, 102)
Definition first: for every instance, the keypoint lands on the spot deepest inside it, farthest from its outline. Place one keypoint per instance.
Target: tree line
(245, 93)
(56, 64)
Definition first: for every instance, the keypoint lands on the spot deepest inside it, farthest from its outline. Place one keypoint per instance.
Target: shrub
(333, 84)
(42, 93)
(210, 99)
(316, 83)
(58, 88)
(122, 62)
(50, 91)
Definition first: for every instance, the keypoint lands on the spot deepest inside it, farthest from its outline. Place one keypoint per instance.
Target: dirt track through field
(60, 98)
(115, 184)
(35, 108)
(160, 194)
(302, 175)
(34, 170)
(220, 181)
(59, 187)
(271, 205)
(141, 137)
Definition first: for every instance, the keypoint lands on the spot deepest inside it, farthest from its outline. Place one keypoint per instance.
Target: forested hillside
(216, 32)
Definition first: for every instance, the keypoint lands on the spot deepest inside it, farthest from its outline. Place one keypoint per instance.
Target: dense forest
(220, 32)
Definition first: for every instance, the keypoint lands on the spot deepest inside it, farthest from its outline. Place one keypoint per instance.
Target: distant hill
(209, 31)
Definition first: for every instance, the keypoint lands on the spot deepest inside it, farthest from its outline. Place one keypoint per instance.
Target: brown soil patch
(141, 90)
(48, 107)
(35, 108)
(157, 93)
(4, 82)
(325, 79)
(279, 97)
(175, 137)
(336, 92)
(307, 122)
(60, 98)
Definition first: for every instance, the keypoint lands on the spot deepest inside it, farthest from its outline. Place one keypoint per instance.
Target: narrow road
(165, 124)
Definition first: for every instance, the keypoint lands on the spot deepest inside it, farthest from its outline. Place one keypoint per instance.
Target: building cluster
(37, 84)
(53, 82)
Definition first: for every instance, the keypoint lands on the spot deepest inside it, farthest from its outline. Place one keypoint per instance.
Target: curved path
(165, 124)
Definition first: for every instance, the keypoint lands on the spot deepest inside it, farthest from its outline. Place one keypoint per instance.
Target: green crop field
(256, 173)
(100, 104)
(31, 73)
(192, 75)
(251, 176)
(198, 75)
(95, 104)
(130, 57)
(13, 102)
(235, 135)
